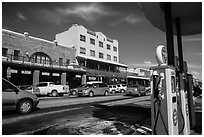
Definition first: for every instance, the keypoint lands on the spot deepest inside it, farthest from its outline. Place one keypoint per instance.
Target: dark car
(14, 98)
(135, 90)
(92, 89)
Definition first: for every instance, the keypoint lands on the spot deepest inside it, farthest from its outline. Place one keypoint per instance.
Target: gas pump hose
(158, 101)
(179, 105)
(157, 117)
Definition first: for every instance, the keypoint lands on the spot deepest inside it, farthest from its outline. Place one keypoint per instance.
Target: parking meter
(164, 115)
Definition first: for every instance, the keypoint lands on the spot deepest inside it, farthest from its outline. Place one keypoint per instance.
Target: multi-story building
(29, 60)
(98, 54)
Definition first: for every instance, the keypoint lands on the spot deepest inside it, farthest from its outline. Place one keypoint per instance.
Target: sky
(123, 21)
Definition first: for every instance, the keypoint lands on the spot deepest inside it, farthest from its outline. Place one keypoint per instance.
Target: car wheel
(106, 93)
(122, 90)
(113, 91)
(139, 94)
(54, 93)
(145, 94)
(91, 94)
(24, 106)
(74, 93)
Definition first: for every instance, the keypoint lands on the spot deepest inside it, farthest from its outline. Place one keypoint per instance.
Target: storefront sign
(14, 71)
(25, 72)
(8, 72)
(78, 76)
(55, 74)
(76, 68)
(92, 78)
(45, 73)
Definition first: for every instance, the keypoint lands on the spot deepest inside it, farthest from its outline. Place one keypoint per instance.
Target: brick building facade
(35, 59)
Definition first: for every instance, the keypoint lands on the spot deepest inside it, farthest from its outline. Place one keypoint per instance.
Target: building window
(82, 38)
(60, 61)
(4, 51)
(92, 41)
(67, 62)
(40, 57)
(108, 46)
(115, 58)
(92, 53)
(115, 49)
(16, 54)
(100, 44)
(82, 50)
(108, 57)
(100, 55)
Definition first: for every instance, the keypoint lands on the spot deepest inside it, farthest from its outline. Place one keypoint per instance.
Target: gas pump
(184, 123)
(190, 101)
(164, 115)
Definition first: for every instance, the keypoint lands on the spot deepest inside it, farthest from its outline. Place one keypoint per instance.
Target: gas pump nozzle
(157, 89)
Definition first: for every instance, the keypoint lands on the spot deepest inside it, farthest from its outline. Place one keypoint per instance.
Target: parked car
(30, 88)
(147, 90)
(14, 98)
(92, 82)
(92, 89)
(121, 88)
(113, 88)
(49, 88)
(135, 90)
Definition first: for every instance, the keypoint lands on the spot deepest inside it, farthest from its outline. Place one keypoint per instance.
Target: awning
(190, 14)
(101, 60)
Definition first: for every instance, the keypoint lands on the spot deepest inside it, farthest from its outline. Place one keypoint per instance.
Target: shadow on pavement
(124, 115)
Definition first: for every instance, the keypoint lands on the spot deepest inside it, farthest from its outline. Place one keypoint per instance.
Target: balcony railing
(55, 64)
(105, 72)
(38, 62)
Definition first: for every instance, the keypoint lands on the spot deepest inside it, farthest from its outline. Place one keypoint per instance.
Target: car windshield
(86, 85)
(132, 86)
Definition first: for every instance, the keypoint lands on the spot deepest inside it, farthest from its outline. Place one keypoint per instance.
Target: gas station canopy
(190, 14)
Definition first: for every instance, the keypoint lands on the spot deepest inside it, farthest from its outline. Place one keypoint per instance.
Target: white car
(121, 88)
(113, 88)
(49, 88)
(93, 82)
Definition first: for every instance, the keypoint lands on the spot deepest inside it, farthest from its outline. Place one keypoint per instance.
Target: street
(111, 115)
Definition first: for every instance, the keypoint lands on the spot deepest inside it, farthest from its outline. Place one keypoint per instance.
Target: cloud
(198, 54)
(21, 16)
(192, 39)
(193, 66)
(130, 19)
(48, 15)
(195, 74)
(90, 12)
(72, 12)
(146, 64)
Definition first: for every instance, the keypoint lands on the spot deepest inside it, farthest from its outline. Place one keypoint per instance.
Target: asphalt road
(111, 115)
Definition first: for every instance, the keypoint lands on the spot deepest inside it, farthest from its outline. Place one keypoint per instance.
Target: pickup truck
(49, 88)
